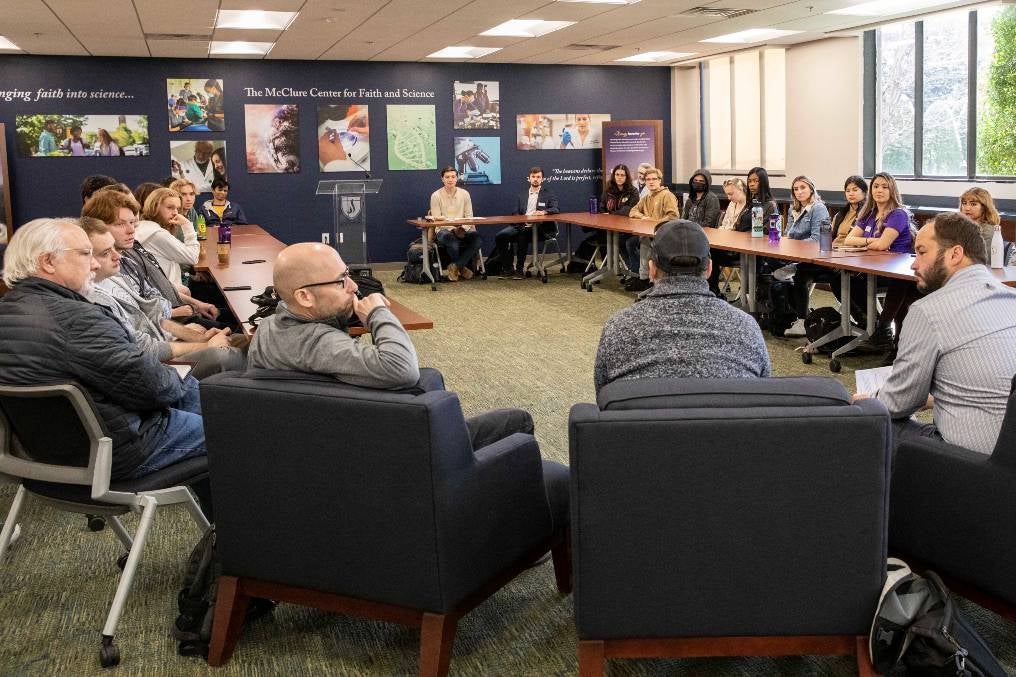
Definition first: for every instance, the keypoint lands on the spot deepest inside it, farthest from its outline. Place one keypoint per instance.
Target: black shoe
(519, 274)
(638, 285)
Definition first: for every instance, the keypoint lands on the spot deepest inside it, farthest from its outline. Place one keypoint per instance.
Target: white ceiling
(409, 30)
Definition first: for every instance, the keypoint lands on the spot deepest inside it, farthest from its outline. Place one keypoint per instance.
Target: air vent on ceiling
(176, 36)
(725, 12)
(580, 47)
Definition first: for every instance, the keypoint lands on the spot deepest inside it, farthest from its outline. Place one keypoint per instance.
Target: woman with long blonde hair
(160, 217)
(976, 204)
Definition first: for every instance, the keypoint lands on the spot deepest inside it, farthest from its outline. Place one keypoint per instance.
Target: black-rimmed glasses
(341, 282)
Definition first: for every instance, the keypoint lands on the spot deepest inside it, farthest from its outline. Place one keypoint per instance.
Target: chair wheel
(589, 288)
(806, 358)
(543, 279)
(835, 366)
(96, 522)
(529, 273)
(433, 287)
(483, 276)
(121, 561)
(109, 653)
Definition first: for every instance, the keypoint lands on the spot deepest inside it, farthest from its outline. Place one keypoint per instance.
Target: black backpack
(412, 273)
(196, 600)
(820, 322)
(918, 630)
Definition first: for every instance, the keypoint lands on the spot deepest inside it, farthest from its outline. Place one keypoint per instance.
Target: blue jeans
(461, 251)
(184, 436)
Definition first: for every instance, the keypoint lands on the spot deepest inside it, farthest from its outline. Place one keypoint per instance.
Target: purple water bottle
(774, 229)
(594, 205)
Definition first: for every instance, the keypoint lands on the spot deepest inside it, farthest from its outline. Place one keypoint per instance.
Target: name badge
(541, 204)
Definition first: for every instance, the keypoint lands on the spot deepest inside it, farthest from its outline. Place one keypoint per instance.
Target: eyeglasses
(82, 251)
(123, 224)
(341, 282)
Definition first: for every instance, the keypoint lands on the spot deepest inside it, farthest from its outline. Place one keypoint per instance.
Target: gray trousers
(497, 424)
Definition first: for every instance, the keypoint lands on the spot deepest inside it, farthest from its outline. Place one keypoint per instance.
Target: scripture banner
(630, 143)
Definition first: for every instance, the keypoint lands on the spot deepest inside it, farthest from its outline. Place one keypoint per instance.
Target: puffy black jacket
(51, 334)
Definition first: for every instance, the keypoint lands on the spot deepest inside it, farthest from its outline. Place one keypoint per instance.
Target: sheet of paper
(871, 380)
(182, 370)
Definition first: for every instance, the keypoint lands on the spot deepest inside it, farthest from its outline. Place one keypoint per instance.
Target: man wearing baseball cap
(680, 329)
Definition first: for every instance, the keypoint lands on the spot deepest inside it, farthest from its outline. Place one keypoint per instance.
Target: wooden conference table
(252, 244)
(871, 263)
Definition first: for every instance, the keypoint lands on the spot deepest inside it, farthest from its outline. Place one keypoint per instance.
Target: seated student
(758, 189)
(219, 211)
(145, 189)
(461, 242)
(736, 217)
(659, 204)
(194, 112)
(152, 339)
(93, 183)
(807, 212)
(680, 329)
(140, 270)
(618, 198)
(957, 351)
(308, 333)
(152, 416)
(161, 218)
(702, 207)
(855, 190)
(884, 225)
(538, 200)
(976, 204)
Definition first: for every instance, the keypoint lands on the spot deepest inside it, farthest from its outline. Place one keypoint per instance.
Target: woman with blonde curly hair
(976, 204)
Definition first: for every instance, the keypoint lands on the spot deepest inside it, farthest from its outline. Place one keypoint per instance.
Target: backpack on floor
(780, 314)
(918, 630)
(412, 272)
(820, 322)
(196, 600)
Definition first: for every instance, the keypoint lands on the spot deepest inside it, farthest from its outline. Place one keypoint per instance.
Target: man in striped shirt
(957, 350)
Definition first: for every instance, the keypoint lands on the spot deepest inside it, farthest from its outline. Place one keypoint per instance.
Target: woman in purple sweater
(884, 225)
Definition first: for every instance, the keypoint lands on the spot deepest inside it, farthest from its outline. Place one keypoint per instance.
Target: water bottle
(997, 248)
(825, 236)
(756, 219)
(594, 205)
(202, 227)
(774, 229)
(225, 242)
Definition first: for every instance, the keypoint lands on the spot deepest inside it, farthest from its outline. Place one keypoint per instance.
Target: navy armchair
(406, 522)
(952, 511)
(727, 517)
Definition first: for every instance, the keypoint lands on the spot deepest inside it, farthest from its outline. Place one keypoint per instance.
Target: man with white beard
(52, 334)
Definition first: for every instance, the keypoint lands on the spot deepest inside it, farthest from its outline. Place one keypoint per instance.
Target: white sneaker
(796, 330)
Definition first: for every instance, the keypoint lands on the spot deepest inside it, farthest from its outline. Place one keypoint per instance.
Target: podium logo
(351, 205)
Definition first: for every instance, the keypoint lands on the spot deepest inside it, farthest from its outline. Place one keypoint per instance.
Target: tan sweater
(458, 205)
(659, 205)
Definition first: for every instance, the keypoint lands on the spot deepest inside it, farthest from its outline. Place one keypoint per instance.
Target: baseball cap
(680, 246)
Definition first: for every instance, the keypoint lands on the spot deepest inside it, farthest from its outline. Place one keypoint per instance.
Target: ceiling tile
(179, 49)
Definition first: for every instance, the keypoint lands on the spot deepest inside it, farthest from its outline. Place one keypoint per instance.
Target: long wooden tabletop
(887, 264)
(250, 243)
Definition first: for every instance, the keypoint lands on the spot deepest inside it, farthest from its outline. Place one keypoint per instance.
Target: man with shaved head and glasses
(308, 331)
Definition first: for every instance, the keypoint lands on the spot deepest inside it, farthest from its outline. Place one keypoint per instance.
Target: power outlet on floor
(326, 238)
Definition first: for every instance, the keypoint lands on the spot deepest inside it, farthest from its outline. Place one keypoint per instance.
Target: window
(744, 110)
(937, 114)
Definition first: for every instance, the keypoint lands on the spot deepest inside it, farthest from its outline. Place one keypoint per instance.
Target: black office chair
(53, 444)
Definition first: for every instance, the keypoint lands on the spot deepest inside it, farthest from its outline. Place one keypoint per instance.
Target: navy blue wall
(286, 204)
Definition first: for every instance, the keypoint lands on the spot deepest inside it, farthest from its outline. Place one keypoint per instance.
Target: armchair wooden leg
(591, 657)
(864, 666)
(437, 637)
(230, 613)
(563, 564)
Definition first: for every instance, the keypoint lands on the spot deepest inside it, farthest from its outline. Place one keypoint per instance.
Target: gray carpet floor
(498, 343)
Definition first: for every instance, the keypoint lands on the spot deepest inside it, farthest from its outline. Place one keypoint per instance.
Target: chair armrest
(430, 380)
(492, 516)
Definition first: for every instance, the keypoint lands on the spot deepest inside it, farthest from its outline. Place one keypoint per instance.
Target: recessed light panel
(887, 7)
(751, 35)
(463, 52)
(527, 28)
(253, 19)
(604, 2)
(656, 57)
(6, 44)
(240, 47)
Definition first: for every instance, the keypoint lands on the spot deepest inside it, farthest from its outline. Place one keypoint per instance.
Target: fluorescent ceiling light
(527, 28)
(463, 52)
(5, 43)
(254, 19)
(604, 2)
(656, 57)
(240, 47)
(886, 7)
(751, 35)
